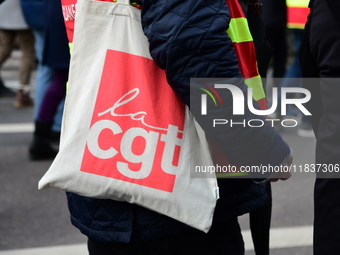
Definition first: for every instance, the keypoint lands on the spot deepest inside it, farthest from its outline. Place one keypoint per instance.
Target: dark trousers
(222, 239)
(26, 43)
(54, 95)
(278, 40)
(320, 53)
(260, 225)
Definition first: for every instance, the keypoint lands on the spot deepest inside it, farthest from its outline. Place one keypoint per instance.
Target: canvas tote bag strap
(123, 1)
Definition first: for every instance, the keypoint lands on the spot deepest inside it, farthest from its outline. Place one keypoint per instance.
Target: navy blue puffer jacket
(188, 39)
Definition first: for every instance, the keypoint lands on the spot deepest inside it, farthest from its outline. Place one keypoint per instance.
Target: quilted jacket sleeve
(188, 39)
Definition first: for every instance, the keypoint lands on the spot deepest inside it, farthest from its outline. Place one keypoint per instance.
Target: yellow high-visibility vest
(297, 13)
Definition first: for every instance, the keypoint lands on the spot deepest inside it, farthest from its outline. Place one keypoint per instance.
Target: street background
(34, 222)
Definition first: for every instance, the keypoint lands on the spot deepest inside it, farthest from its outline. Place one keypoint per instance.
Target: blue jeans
(294, 71)
(43, 80)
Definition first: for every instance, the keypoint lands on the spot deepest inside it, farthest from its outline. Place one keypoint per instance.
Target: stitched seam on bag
(114, 12)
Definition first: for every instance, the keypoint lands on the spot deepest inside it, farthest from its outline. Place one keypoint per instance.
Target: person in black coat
(320, 53)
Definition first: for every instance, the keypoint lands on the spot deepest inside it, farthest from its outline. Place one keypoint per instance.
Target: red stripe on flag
(247, 59)
(262, 103)
(235, 9)
(297, 15)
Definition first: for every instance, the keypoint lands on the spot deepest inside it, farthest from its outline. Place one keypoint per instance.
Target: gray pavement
(37, 222)
(28, 217)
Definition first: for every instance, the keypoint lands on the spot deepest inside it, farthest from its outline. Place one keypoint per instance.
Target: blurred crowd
(37, 29)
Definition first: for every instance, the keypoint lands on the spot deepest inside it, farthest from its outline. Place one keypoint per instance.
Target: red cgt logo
(137, 124)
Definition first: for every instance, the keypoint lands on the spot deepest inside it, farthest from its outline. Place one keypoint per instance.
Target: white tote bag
(126, 136)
